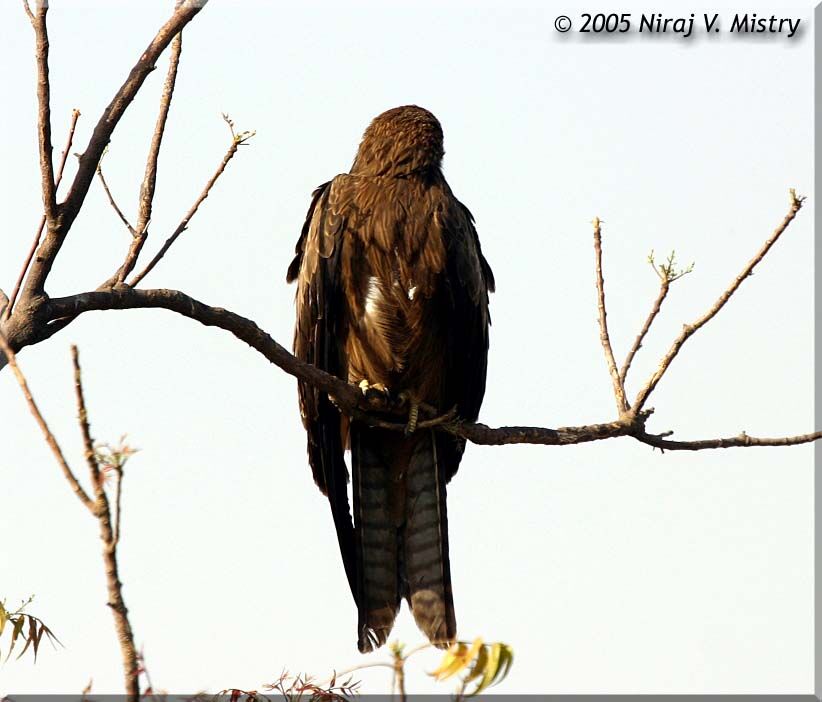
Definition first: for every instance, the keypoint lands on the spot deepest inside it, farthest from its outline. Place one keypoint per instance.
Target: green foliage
(667, 271)
(480, 663)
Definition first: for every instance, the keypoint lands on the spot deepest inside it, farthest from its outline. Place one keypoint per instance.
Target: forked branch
(43, 317)
(150, 178)
(688, 330)
(237, 140)
(75, 114)
(87, 165)
(605, 339)
(99, 507)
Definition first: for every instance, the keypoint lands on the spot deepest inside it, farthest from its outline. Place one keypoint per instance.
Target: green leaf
(506, 660)
(452, 662)
(491, 668)
(479, 665)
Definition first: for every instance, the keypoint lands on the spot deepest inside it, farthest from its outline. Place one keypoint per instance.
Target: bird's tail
(425, 542)
(401, 531)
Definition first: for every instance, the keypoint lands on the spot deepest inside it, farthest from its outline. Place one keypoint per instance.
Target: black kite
(392, 295)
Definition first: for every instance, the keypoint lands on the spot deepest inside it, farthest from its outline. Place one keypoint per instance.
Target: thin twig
(619, 390)
(237, 140)
(740, 441)
(112, 201)
(49, 437)
(399, 676)
(27, 8)
(118, 491)
(150, 178)
(689, 329)
(75, 114)
(664, 286)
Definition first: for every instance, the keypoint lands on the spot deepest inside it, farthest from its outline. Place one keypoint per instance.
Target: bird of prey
(392, 296)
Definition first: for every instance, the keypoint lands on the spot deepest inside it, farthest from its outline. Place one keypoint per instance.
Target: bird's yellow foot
(376, 394)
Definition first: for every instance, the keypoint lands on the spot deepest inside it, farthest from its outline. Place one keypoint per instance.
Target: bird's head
(399, 142)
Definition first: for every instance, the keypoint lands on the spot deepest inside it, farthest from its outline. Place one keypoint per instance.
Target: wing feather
(468, 281)
(319, 329)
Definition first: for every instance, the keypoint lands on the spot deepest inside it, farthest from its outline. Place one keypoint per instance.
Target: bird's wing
(467, 282)
(318, 339)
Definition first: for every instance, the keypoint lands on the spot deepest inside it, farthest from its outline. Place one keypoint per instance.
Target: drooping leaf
(479, 665)
(18, 627)
(500, 659)
(31, 637)
(451, 662)
(506, 660)
(491, 668)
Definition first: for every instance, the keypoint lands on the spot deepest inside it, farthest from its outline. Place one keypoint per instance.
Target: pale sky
(609, 567)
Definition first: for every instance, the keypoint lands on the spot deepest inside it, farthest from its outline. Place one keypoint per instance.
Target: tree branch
(75, 114)
(689, 329)
(48, 188)
(743, 440)
(68, 210)
(112, 201)
(82, 419)
(352, 401)
(102, 510)
(124, 297)
(237, 140)
(150, 178)
(619, 390)
(664, 286)
(49, 437)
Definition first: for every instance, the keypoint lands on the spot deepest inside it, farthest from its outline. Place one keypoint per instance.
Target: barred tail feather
(401, 532)
(377, 537)
(426, 561)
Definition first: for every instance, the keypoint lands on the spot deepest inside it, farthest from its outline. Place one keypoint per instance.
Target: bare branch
(102, 510)
(619, 390)
(664, 286)
(150, 178)
(125, 297)
(47, 184)
(75, 114)
(118, 493)
(689, 329)
(112, 201)
(743, 440)
(27, 8)
(82, 418)
(49, 437)
(237, 140)
(348, 397)
(116, 603)
(48, 250)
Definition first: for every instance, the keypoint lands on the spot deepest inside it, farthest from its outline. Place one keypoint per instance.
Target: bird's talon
(413, 412)
(377, 394)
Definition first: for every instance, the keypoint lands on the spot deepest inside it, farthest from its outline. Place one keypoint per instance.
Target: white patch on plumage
(411, 292)
(373, 297)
